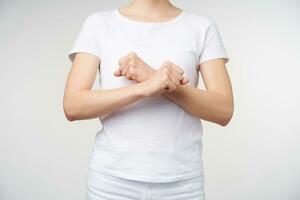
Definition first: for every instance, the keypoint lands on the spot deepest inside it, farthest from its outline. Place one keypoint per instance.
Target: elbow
(72, 106)
(224, 122)
(227, 116)
(69, 111)
(70, 117)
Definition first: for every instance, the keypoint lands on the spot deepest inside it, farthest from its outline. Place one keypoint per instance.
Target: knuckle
(131, 70)
(130, 64)
(167, 62)
(168, 72)
(179, 70)
(132, 54)
(164, 82)
(128, 73)
(168, 66)
(165, 78)
(128, 76)
(166, 69)
(133, 62)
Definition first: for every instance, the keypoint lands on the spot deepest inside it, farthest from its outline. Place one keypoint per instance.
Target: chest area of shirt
(153, 46)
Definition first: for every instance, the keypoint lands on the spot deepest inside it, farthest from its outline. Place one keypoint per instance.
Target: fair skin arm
(214, 104)
(80, 102)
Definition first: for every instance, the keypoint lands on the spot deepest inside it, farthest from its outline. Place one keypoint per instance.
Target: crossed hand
(165, 79)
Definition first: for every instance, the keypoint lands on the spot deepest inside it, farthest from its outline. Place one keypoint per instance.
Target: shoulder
(199, 20)
(100, 15)
(95, 20)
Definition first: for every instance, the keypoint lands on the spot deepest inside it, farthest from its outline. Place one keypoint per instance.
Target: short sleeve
(87, 40)
(212, 44)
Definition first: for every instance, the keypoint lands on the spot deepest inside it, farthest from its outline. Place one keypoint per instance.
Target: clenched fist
(166, 79)
(134, 68)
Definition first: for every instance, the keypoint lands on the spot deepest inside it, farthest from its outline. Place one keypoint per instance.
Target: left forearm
(207, 105)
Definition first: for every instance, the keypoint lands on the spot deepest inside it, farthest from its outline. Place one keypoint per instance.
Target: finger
(130, 74)
(177, 75)
(164, 86)
(184, 80)
(124, 70)
(124, 67)
(179, 69)
(118, 73)
(169, 86)
(124, 63)
(129, 65)
(175, 78)
(123, 59)
(172, 86)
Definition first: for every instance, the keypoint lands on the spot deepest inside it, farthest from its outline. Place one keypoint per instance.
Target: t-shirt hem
(74, 51)
(224, 56)
(148, 179)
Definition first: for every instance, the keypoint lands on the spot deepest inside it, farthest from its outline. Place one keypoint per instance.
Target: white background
(255, 157)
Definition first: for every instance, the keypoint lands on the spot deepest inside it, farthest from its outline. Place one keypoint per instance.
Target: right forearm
(87, 104)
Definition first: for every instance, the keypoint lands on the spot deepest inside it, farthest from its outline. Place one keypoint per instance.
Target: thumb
(117, 73)
(184, 80)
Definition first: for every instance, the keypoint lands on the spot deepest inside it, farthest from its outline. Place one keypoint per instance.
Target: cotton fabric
(106, 187)
(152, 139)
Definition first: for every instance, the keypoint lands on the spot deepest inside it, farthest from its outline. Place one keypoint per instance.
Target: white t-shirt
(152, 139)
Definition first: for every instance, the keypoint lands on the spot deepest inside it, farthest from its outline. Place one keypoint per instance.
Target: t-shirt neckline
(143, 23)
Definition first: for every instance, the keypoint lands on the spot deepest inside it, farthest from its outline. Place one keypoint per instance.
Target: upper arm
(212, 60)
(85, 56)
(216, 78)
(81, 77)
(83, 72)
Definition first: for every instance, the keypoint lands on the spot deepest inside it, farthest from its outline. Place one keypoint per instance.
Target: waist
(180, 160)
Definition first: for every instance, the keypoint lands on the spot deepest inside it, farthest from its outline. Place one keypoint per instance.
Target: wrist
(150, 71)
(140, 89)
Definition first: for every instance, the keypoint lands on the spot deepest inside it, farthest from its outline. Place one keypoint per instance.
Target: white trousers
(106, 187)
